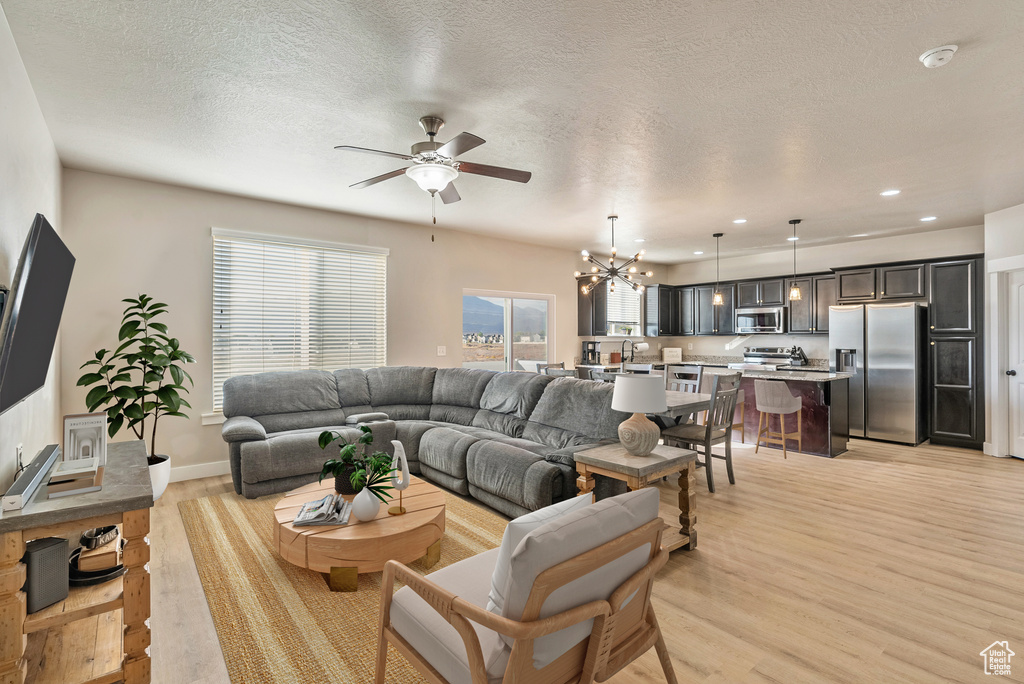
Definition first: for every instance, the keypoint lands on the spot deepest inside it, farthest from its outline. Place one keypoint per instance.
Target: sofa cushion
(457, 392)
(430, 634)
(508, 401)
(353, 390)
(442, 456)
(572, 412)
(285, 400)
(514, 533)
(514, 474)
(567, 537)
(400, 386)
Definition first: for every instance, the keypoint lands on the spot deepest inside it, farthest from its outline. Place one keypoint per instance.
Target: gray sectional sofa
(504, 438)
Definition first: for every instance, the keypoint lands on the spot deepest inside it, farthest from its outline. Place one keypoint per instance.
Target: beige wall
(29, 184)
(133, 236)
(934, 244)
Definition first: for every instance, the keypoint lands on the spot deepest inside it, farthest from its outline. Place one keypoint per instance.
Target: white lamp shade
(432, 177)
(639, 393)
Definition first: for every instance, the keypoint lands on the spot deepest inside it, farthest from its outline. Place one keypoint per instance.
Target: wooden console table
(614, 461)
(120, 608)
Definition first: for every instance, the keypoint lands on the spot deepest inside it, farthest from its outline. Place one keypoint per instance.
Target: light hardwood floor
(887, 564)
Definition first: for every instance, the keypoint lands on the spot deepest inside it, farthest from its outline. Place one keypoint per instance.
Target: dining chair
(683, 378)
(717, 427)
(741, 404)
(559, 372)
(603, 376)
(541, 367)
(639, 368)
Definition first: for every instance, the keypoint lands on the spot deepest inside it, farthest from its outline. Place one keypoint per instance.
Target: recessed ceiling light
(889, 193)
(698, 253)
(739, 220)
(860, 235)
(929, 218)
(640, 240)
(793, 239)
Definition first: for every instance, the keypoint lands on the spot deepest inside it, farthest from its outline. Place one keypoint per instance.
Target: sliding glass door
(506, 331)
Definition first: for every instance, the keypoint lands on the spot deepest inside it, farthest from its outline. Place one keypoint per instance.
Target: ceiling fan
(434, 167)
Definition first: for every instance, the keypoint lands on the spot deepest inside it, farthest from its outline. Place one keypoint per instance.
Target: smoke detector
(936, 57)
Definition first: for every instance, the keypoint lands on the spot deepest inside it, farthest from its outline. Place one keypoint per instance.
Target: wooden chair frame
(603, 376)
(620, 634)
(720, 417)
(675, 381)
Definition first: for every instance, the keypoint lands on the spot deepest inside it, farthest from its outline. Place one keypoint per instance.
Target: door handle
(1011, 372)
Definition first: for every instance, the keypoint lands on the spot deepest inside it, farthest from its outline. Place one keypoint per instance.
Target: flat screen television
(31, 315)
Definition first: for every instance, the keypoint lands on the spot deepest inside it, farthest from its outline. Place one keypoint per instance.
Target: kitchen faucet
(631, 349)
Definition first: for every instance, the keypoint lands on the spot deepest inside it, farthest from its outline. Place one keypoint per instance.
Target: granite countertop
(126, 487)
(801, 374)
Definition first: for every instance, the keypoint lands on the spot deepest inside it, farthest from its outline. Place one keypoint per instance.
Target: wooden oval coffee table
(344, 551)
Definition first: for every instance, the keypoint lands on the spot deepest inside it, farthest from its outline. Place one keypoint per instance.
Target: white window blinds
(623, 305)
(279, 305)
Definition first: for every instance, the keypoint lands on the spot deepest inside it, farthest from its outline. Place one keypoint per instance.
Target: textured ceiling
(678, 116)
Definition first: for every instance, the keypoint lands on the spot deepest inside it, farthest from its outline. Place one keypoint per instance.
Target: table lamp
(639, 394)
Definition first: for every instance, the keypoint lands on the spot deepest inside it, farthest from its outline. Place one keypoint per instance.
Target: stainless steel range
(770, 358)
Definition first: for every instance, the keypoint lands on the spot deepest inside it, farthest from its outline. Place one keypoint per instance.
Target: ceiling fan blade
(460, 144)
(450, 194)
(495, 172)
(366, 150)
(377, 179)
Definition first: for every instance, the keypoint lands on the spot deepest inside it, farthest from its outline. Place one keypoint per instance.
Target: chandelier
(627, 272)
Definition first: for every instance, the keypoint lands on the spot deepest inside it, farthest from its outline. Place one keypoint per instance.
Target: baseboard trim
(199, 470)
(989, 449)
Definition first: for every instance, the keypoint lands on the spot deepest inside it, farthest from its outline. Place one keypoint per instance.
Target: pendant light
(717, 299)
(795, 294)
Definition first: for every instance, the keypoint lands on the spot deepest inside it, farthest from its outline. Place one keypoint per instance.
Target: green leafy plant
(370, 471)
(143, 379)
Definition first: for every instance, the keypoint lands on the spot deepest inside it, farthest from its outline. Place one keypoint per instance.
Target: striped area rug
(279, 623)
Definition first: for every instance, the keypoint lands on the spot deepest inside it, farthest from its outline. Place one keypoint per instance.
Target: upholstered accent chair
(567, 598)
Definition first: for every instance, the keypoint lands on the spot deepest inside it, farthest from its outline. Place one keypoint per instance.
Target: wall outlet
(442, 350)
(689, 346)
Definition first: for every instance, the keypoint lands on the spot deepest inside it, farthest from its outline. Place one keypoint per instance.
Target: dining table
(684, 403)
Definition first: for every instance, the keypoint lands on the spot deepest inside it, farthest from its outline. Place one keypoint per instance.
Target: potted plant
(368, 476)
(141, 381)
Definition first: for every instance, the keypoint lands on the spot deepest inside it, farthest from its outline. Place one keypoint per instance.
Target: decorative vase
(365, 506)
(159, 474)
(343, 481)
(400, 478)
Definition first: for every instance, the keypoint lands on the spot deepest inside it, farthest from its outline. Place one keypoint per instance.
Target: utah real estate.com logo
(997, 658)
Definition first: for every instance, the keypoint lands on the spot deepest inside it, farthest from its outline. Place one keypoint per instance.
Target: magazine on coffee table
(333, 509)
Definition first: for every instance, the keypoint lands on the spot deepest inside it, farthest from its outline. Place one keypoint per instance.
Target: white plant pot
(365, 506)
(160, 475)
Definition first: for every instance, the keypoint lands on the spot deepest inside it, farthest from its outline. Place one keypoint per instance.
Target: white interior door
(1015, 361)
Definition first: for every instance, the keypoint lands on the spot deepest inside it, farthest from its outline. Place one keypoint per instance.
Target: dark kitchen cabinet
(661, 311)
(956, 418)
(902, 282)
(704, 310)
(591, 309)
(687, 312)
(760, 293)
(801, 311)
(824, 290)
(748, 294)
(955, 297)
(725, 319)
(956, 344)
(855, 285)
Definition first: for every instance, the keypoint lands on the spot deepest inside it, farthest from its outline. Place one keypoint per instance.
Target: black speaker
(46, 572)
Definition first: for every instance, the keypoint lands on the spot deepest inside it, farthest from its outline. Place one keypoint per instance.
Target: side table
(614, 461)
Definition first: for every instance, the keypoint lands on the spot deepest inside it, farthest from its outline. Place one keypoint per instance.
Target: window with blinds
(282, 305)
(623, 306)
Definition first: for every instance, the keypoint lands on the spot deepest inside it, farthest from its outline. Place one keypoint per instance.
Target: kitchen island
(825, 413)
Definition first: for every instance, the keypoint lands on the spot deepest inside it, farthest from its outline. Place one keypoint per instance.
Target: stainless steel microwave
(761, 320)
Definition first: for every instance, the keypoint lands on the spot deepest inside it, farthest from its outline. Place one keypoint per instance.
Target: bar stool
(774, 397)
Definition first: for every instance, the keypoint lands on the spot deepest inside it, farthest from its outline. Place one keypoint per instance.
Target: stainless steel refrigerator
(882, 345)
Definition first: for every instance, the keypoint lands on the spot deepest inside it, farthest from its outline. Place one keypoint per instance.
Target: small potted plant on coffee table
(368, 476)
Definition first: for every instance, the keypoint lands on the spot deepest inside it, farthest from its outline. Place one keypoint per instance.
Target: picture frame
(85, 436)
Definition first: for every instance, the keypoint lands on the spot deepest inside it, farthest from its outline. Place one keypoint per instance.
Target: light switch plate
(442, 350)
(689, 346)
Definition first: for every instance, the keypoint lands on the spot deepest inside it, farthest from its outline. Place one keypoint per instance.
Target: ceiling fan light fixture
(432, 177)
